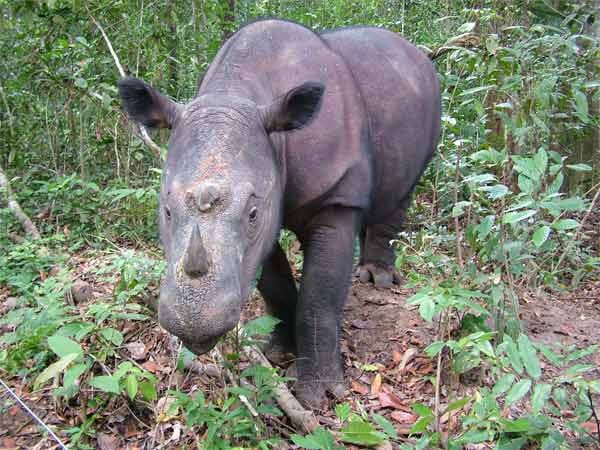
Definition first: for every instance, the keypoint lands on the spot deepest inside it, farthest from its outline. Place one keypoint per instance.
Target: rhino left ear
(295, 109)
(146, 105)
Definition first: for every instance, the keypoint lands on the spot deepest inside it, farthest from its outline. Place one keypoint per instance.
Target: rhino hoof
(382, 277)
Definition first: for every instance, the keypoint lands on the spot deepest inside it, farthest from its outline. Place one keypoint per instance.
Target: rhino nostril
(195, 260)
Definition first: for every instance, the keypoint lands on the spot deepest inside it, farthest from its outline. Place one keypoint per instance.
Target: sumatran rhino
(325, 135)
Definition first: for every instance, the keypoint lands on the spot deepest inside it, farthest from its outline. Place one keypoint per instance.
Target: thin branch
(589, 396)
(15, 208)
(140, 129)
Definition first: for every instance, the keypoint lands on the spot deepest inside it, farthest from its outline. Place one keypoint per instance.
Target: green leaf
(261, 326)
(185, 357)
(386, 426)
(457, 404)
(361, 433)
(111, 335)
(516, 426)
(72, 373)
(343, 410)
(513, 354)
(540, 160)
(580, 167)
(81, 83)
(131, 385)
(556, 184)
(581, 106)
(495, 192)
(64, 346)
(476, 90)
(529, 357)
(541, 394)
(515, 217)
(517, 392)
(54, 369)
(427, 309)
(541, 235)
(565, 224)
(435, 348)
(503, 384)
(320, 439)
(106, 383)
(148, 390)
(526, 184)
(422, 410)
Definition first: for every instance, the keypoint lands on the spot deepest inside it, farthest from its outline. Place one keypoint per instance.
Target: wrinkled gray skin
(325, 135)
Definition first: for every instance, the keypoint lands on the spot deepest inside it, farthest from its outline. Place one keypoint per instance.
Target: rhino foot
(313, 394)
(382, 277)
(279, 349)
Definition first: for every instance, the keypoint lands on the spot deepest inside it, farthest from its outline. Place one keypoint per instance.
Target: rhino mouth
(201, 347)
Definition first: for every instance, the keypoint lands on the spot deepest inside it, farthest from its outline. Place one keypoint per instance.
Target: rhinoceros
(323, 134)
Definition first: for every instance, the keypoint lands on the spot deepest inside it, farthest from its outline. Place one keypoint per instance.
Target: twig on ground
(301, 418)
(140, 130)
(15, 208)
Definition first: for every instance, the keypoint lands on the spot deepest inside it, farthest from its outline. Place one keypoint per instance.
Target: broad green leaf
(580, 167)
(64, 346)
(515, 217)
(131, 385)
(526, 184)
(435, 348)
(503, 384)
(541, 393)
(386, 426)
(106, 383)
(361, 433)
(529, 357)
(148, 390)
(466, 27)
(541, 235)
(458, 404)
(54, 369)
(581, 106)
(565, 224)
(343, 410)
(111, 335)
(556, 184)
(422, 410)
(476, 90)
(581, 353)
(517, 392)
(81, 83)
(72, 373)
(571, 204)
(261, 326)
(521, 425)
(427, 309)
(320, 439)
(480, 178)
(540, 160)
(513, 354)
(511, 444)
(495, 192)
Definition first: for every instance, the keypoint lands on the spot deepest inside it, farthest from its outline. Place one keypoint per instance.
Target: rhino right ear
(146, 105)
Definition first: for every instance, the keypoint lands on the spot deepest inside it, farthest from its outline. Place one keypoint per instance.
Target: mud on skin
(325, 135)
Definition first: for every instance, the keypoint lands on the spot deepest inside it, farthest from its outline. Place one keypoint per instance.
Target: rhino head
(221, 199)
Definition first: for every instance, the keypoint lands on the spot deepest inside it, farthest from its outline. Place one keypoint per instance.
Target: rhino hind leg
(279, 291)
(377, 257)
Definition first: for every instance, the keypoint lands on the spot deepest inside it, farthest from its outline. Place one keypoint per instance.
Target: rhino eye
(167, 212)
(253, 214)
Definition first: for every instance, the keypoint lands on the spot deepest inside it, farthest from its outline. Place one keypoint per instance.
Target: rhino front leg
(278, 288)
(329, 245)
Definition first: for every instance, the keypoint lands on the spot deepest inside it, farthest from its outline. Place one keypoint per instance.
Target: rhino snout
(200, 324)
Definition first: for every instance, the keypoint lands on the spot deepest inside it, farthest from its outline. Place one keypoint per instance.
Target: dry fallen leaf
(107, 441)
(590, 427)
(162, 409)
(409, 354)
(404, 417)
(137, 350)
(376, 384)
(150, 366)
(359, 388)
(390, 400)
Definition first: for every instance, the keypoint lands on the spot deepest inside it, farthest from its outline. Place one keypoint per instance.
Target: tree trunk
(15, 208)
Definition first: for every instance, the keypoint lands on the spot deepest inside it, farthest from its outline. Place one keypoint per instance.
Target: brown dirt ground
(382, 344)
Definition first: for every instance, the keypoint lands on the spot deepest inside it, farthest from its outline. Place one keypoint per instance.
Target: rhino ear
(295, 109)
(146, 105)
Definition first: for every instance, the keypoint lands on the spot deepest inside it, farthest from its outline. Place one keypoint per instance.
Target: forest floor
(383, 346)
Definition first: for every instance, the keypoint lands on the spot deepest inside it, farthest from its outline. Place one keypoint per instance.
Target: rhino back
(399, 86)
(326, 162)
